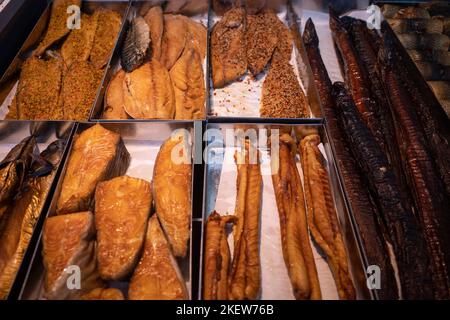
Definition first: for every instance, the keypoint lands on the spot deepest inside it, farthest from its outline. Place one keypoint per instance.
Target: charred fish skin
(433, 118)
(356, 77)
(405, 234)
(429, 193)
(363, 209)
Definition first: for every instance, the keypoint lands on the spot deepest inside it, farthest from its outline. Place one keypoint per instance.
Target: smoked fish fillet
(114, 108)
(97, 154)
(155, 20)
(322, 215)
(40, 83)
(173, 40)
(103, 294)
(297, 252)
(245, 273)
(22, 217)
(217, 257)
(262, 39)
(122, 207)
(108, 28)
(148, 92)
(78, 44)
(57, 26)
(79, 90)
(157, 276)
(189, 86)
(196, 36)
(69, 240)
(228, 48)
(172, 180)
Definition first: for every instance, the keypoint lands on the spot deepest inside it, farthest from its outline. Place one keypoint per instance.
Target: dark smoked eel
(432, 117)
(356, 78)
(405, 233)
(365, 213)
(429, 192)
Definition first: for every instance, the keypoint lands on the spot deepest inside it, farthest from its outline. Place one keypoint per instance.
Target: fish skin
(189, 86)
(366, 214)
(172, 183)
(136, 44)
(155, 20)
(157, 276)
(148, 92)
(404, 231)
(21, 219)
(228, 48)
(122, 208)
(173, 40)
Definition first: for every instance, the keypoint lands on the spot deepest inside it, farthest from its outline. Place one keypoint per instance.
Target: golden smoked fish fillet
(69, 240)
(245, 273)
(114, 108)
(57, 26)
(173, 40)
(172, 180)
(322, 216)
(297, 252)
(78, 44)
(37, 96)
(189, 86)
(228, 48)
(122, 207)
(20, 220)
(217, 257)
(79, 90)
(103, 294)
(196, 36)
(155, 20)
(262, 39)
(97, 154)
(148, 92)
(157, 276)
(108, 27)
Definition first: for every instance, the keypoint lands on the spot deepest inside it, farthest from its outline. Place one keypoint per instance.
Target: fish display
(122, 207)
(297, 252)
(97, 154)
(69, 240)
(172, 180)
(20, 219)
(157, 276)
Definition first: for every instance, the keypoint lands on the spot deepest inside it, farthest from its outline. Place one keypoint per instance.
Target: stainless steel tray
(142, 141)
(220, 178)
(11, 133)
(241, 99)
(114, 63)
(10, 78)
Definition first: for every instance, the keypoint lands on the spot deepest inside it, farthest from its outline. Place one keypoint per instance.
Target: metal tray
(220, 178)
(236, 95)
(142, 141)
(114, 63)
(11, 133)
(9, 80)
